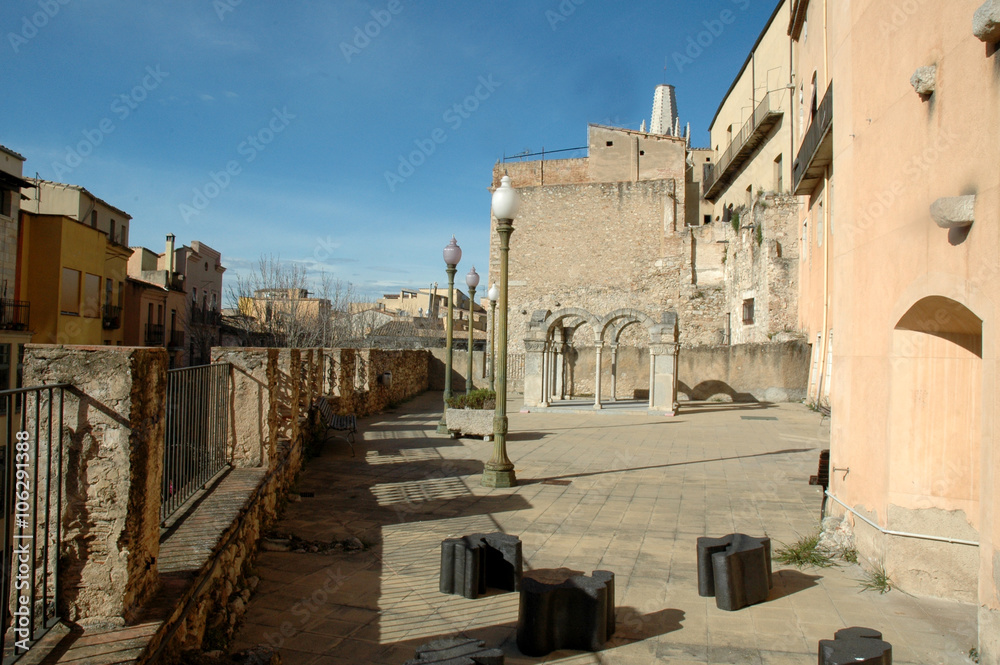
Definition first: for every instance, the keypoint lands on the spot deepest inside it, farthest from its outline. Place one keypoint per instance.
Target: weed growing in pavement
(876, 579)
(805, 552)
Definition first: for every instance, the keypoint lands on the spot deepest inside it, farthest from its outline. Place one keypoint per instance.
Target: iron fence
(14, 314)
(32, 503)
(197, 425)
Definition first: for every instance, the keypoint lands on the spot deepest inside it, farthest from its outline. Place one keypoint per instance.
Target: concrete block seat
(578, 613)
(456, 651)
(472, 564)
(736, 569)
(857, 646)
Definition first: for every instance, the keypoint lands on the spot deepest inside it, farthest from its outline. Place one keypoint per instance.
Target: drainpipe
(904, 534)
(827, 199)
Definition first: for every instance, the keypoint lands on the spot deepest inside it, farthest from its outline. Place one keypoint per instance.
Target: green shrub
(477, 399)
(736, 222)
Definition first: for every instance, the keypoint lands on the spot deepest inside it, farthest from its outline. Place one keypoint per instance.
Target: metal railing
(112, 315)
(195, 446)
(154, 334)
(769, 108)
(818, 129)
(14, 314)
(32, 496)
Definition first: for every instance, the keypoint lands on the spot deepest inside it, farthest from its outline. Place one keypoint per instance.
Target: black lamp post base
(499, 478)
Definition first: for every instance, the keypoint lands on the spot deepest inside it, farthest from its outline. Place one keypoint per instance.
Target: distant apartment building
(202, 269)
(15, 307)
(432, 302)
(73, 264)
(157, 303)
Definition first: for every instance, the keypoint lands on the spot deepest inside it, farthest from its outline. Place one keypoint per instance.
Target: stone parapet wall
(776, 372)
(113, 433)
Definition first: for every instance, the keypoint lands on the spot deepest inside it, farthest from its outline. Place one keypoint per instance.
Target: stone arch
(554, 318)
(630, 315)
(934, 440)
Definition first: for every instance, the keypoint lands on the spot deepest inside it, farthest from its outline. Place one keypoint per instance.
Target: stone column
(546, 365)
(614, 372)
(533, 352)
(663, 378)
(113, 431)
(560, 370)
(597, 375)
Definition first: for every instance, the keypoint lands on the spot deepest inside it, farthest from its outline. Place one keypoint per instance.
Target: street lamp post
(472, 281)
(493, 294)
(499, 471)
(452, 255)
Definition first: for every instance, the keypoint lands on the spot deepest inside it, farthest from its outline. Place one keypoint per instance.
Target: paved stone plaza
(629, 493)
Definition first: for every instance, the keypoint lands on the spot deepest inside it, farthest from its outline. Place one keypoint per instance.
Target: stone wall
(113, 430)
(745, 373)
(765, 271)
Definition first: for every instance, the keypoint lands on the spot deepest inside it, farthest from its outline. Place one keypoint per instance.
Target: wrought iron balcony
(739, 152)
(112, 316)
(14, 314)
(154, 334)
(205, 316)
(816, 152)
(176, 339)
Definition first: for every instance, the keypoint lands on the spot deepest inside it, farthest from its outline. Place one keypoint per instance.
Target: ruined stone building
(627, 228)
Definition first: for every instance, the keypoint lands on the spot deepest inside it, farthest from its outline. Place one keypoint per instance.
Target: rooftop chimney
(170, 253)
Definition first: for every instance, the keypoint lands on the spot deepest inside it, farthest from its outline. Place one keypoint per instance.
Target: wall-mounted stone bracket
(951, 212)
(578, 613)
(736, 569)
(855, 646)
(924, 80)
(986, 22)
(471, 564)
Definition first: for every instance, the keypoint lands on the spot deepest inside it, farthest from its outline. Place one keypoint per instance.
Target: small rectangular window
(93, 219)
(91, 296)
(69, 295)
(748, 312)
(609, 143)
(6, 202)
(707, 219)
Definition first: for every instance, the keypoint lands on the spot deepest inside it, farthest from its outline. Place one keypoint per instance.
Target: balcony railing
(154, 334)
(816, 151)
(756, 129)
(176, 339)
(205, 316)
(14, 314)
(112, 316)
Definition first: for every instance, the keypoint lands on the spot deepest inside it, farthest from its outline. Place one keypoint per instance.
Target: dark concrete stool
(471, 564)
(578, 613)
(456, 651)
(736, 569)
(857, 646)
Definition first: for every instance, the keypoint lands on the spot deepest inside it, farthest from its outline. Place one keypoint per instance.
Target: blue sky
(263, 127)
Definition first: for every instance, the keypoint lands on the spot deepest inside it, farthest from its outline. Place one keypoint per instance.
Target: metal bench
(337, 422)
